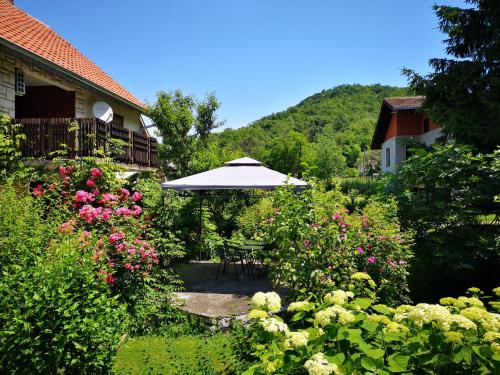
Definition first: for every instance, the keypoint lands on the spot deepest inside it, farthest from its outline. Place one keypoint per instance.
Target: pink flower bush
(372, 259)
(110, 223)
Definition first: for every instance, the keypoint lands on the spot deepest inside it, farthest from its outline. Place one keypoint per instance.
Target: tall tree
(184, 124)
(463, 91)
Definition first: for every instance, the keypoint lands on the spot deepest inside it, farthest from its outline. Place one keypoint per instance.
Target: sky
(258, 56)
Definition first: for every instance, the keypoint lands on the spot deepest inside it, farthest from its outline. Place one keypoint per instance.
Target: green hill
(325, 128)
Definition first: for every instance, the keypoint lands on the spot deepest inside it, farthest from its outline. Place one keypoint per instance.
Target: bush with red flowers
(109, 220)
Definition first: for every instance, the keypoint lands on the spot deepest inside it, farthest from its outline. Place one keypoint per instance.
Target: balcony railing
(46, 135)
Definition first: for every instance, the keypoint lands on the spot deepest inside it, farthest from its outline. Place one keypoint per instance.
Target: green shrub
(443, 196)
(318, 244)
(56, 315)
(347, 332)
(10, 151)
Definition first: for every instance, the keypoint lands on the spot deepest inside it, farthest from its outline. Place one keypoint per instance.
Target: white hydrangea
(257, 314)
(440, 316)
(273, 302)
(491, 336)
(299, 306)
(273, 325)
(338, 297)
(270, 301)
(259, 300)
(319, 365)
(324, 317)
(297, 339)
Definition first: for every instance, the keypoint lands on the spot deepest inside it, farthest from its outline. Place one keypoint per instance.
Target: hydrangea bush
(319, 244)
(348, 332)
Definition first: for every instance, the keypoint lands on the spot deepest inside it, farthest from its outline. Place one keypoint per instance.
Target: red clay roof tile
(21, 29)
(405, 102)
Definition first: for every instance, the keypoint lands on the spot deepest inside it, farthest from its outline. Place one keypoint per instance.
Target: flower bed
(348, 332)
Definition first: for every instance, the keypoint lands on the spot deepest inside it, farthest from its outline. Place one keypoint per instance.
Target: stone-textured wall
(7, 84)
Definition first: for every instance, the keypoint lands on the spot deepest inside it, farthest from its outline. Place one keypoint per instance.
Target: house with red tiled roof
(46, 84)
(401, 122)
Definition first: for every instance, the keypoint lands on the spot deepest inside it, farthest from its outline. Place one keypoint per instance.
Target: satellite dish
(102, 111)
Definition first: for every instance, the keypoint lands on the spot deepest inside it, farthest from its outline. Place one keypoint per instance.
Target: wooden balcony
(46, 135)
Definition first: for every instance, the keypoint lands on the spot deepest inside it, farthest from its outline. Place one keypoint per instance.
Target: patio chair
(229, 254)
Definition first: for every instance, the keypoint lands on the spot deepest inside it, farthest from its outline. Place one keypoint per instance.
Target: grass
(184, 354)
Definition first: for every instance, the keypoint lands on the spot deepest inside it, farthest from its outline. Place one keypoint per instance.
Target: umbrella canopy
(244, 173)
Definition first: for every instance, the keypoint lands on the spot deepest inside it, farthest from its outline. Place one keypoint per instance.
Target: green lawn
(185, 354)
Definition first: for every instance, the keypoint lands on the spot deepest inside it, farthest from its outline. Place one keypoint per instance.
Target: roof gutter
(57, 68)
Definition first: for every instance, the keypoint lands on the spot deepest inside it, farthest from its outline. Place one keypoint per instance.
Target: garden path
(215, 298)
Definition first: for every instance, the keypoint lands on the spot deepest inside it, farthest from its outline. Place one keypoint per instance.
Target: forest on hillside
(324, 134)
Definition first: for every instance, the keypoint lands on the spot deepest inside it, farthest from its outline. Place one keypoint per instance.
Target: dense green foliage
(348, 332)
(447, 197)
(10, 153)
(463, 91)
(325, 130)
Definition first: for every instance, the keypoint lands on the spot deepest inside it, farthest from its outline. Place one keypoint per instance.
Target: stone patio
(207, 296)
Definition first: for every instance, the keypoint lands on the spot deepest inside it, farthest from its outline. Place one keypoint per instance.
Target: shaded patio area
(215, 298)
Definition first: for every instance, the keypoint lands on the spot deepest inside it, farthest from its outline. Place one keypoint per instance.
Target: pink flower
(381, 238)
(83, 196)
(360, 250)
(131, 251)
(86, 234)
(307, 244)
(115, 237)
(392, 263)
(67, 227)
(110, 279)
(124, 193)
(136, 211)
(137, 266)
(372, 259)
(38, 191)
(120, 247)
(90, 183)
(95, 172)
(64, 171)
(123, 211)
(87, 213)
(128, 266)
(108, 197)
(106, 214)
(136, 196)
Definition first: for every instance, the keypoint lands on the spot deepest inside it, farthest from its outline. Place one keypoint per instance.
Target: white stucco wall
(430, 137)
(397, 146)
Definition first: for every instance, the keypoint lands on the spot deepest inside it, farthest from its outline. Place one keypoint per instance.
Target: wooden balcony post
(41, 137)
(149, 152)
(131, 146)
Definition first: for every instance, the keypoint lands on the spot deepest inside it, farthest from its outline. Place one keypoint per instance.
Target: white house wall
(430, 137)
(397, 147)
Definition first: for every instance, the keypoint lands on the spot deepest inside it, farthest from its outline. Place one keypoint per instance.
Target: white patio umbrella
(243, 173)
